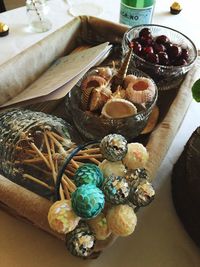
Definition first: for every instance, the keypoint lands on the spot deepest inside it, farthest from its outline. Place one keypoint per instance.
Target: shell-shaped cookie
(116, 108)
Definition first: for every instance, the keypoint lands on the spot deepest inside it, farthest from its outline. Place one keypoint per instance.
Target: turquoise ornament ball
(113, 147)
(116, 189)
(87, 201)
(88, 174)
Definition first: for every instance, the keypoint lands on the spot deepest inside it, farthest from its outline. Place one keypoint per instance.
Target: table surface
(159, 239)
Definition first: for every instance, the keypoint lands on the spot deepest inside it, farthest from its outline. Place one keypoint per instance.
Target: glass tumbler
(37, 12)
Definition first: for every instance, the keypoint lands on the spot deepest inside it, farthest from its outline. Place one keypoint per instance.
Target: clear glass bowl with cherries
(165, 54)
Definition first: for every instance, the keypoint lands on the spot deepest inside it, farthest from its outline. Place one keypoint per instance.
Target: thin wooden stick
(96, 156)
(79, 162)
(70, 168)
(40, 154)
(74, 164)
(97, 162)
(62, 196)
(54, 156)
(30, 177)
(66, 191)
(58, 144)
(50, 157)
(89, 150)
(40, 169)
(70, 173)
(27, 161)
(62, 139)
(66, 184)
(28, 151)
(52, 148)
(69, 181)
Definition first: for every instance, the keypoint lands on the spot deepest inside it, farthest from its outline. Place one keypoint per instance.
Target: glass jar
(22, 134)
(37, 12)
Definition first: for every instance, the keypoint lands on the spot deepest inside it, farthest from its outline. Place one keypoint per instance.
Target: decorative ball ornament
(80, 242)
(136, 157)
(113, 147)
(99, 227)
(116, 189)
(121, 220)
(61, 217)
(135, 176)
(109, 168)
(143, 194)
(88, 174)
(87, 201)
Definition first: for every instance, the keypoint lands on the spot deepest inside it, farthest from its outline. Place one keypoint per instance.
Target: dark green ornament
(88, 174)
(113, 147)
(116, 189)
(135, 176)
(143, 194)
(80, 242)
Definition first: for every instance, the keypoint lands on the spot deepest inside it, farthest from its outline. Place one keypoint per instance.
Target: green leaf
(196, 90)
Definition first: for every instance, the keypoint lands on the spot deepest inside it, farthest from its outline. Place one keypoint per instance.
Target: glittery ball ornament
(113, 147)
(88, 174)
(109, 168)
(80, 242)
(135, 176)
(143, 194)
(121, 220)
(136, 157)
(99, 227)
(116, 189)
(61, 217)
(87, 201)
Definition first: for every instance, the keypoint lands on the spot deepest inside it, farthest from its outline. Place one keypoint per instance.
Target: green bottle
(136, 12)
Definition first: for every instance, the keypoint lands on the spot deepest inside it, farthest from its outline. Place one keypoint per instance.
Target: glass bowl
(92, 127)
(165, 76)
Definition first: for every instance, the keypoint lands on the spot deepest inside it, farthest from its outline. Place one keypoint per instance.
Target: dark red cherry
(163, 58)
(152, 57)
(184, 54)
(137, 48)
(147, 50)
(168, 45)
(174, 51)
(146, 40)
(180, 62)
(162, 39)
(145, 32)
(159, 48)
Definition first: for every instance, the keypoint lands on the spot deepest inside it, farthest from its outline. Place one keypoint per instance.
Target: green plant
(196, 90)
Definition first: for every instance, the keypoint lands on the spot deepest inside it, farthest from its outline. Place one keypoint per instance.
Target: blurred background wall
(11, 4)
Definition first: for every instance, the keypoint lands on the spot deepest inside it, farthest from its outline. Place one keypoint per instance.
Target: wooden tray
(15, 77)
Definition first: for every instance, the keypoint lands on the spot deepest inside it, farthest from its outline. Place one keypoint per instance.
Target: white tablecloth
(159, 239)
